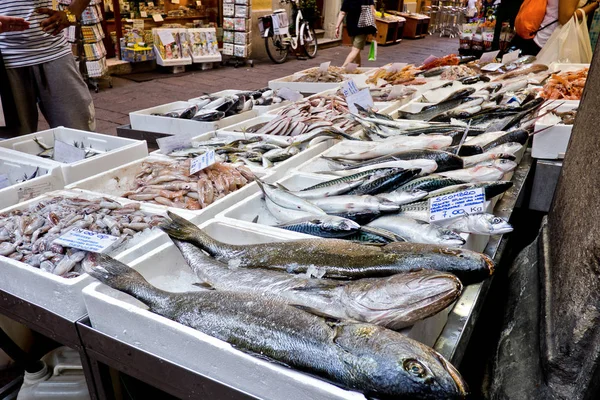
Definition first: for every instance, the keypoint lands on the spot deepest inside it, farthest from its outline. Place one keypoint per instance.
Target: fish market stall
(319, 79)
(81, 154)
(265, 100)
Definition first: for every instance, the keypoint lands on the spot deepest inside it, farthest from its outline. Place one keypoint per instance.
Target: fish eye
(496, 220)
(415, 368)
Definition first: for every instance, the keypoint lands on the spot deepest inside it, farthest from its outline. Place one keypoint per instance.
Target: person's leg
(352, 56)
(358, 60)
(358, 43)
(22, 85)
(65, 99)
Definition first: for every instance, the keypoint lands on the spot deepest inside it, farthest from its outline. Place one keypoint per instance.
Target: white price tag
(86, 240)
(395, 67)
(175, 1)
(324, 66)
(510, 57)
(65, 153)
(289, 94)
(174, 142)
(349, 87)
(4, 182)
(144, 14)
(382, 82)
(351, 67)
(166, 37)
(32, 191)
(491, 67)
(363, 98)
(139, 23)
(158, 18)
(490, 56)
(454, 205)
(429, 59)
(150, 4)
(205, 160)
(198, 4)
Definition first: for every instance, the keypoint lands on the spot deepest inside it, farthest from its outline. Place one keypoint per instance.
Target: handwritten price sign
(456, 204)
(205, 160)
(86, 240)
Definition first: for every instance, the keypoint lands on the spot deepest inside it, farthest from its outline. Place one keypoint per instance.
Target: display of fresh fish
(288, 200)
(521, 71)
(424, 166)
(479, 224)
(403, 197)
(335, 189)
(327, 227)
(337, 258)
(417, 231)
(385, 182)
(354, 203)
(491, 189)
(368, 235)
(501, 164)
(475, 174)
(393, 145)
(480, 159)
(365, 357)
(445, 161)
(430, 183)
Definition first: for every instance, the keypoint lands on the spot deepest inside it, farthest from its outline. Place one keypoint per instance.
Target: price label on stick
(490, 56)
(395, 67)
(324, 66)
(491, 67)
(510, 57)
(86, 240)
(289, 94)
(166, 37)
(363, 98)
(454, 205)
(205, 160)
(351, 67)
(174, 142)
(349, 87)
(65, 153)
(159, 18)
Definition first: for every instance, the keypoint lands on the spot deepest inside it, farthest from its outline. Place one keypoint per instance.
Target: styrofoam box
(276, 172)
(115, 150)
(316, 87)
(117, 181)
(126, 319)
(552, 143)
(566, 67)
(15, 166)
(60, 295)
(145, 121)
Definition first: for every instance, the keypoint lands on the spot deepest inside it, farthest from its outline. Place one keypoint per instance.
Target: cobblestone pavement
(114, 105)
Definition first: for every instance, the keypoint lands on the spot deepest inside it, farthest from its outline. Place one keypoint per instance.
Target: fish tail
(121, 277)
(182, 229)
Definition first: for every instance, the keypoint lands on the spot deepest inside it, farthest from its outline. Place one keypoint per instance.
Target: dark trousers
(528, 46)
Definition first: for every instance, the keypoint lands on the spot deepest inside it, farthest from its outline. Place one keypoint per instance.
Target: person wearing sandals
(351, 10)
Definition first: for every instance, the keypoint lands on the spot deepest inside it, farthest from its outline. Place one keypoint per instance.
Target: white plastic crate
(144, 120)
(115, 150)
(60, 295)
(552, 143)
(117, 181)
(15, 166)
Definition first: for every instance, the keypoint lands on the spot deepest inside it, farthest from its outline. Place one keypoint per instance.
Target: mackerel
(354, 203)
(288, 200)
(429, 183)
(445, 161)
(475, 174)
(388, 182)
(403, 197)
(418, 231)
(326, 191)
(346, 179)
(327, 227)
(491, 189)
(479, 224)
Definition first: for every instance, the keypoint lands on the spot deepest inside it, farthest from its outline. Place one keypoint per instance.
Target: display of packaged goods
(229, 36)
(242, 51)
(91, 15)
(229, 24)
(241, 24)
(172, 46)
(48, 286)
(229, 1)
(244, 2)
(94, 51)
(242, 11)
(203, 45)
(228, 49)
(81, 155)
(242, 38)
(138, 53)
(98, 68)
(229, 10)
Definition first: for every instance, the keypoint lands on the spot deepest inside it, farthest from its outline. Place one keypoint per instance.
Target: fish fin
(204, 285)
(280, 186)
(318, 313)
(255, 220)
(179, 228)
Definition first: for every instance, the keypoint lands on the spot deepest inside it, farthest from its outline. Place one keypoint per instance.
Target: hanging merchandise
(237, 28)
(373, 51)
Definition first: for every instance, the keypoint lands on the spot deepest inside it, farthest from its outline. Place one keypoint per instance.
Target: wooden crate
(387, 32)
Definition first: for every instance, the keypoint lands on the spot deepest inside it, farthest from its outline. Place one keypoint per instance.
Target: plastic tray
(60, 295)
(15, 166)
(116, 150)
(144, 120)
(552, 143)
(119, 180)
(260, 110)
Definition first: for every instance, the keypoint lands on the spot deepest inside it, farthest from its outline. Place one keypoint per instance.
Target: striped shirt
(31, 46)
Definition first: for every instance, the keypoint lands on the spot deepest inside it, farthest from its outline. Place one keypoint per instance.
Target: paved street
(114, 105)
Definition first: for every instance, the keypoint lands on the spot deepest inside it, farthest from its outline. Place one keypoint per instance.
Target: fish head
(504, 165)
(398, 300)
(489, 224)
(386, 205)
(401, 365)
(336, 224)
(451, 238)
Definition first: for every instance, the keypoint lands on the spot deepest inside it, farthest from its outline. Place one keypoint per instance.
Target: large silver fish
(395, 302)
(417, 231)
(365, 357)
(337, 258)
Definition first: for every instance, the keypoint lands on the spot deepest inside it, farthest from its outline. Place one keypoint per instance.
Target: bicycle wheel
(310, 41)
(277, 48)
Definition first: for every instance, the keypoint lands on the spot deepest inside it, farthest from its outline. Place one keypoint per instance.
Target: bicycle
(274, 28)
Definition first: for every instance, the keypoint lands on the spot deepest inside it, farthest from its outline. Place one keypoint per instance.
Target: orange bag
(530, 17)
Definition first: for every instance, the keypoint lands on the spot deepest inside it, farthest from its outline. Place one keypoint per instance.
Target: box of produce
(167, 183)
(23, 177)
(80, 154)
(207, 351)
(185, 117)
(49, 274)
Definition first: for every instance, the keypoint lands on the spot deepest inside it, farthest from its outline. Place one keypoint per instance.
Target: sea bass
(365, 357)
(394, 302)
(338, 258)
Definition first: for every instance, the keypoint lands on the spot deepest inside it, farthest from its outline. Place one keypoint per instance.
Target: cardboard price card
(454, 205)
(83, 239)
(205, 160)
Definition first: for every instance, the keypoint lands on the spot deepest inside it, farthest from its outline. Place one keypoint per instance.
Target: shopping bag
(366, 17)
(567, 44)
(373, 51)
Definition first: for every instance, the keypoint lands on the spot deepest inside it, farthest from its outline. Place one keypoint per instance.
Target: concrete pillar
(331, 9)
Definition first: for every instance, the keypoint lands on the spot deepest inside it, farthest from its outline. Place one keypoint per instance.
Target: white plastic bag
(568, 43)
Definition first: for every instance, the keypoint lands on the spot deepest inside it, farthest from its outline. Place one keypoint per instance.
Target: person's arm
(566, 9)
(12, 24)
(338, 24)
(58, 20)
